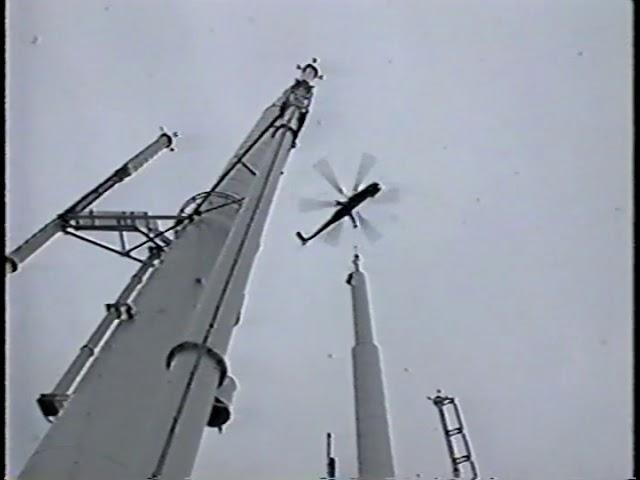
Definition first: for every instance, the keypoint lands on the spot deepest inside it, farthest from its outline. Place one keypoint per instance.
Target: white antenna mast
(161, 376)
(375, 458)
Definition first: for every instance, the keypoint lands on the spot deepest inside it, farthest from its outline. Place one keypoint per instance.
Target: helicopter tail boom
(302, 239)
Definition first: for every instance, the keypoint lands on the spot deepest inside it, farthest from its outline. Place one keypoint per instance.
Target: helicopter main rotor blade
(323, 167)
(313, 204)
(332, 236)
(387, 195)
(366, 164)
(371, 232)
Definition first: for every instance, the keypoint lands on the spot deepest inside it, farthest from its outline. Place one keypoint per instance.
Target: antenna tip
(11, 265)
(356, 259)
(310, 70)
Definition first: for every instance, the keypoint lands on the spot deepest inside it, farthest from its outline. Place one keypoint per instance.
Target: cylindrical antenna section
(373, 436)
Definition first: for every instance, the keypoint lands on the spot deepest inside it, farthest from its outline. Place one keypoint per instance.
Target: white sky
(505, 278)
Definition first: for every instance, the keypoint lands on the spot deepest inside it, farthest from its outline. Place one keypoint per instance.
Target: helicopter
(348, 206)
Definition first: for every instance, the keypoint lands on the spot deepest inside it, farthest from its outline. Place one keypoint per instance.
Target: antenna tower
(375, 457)
(159, 374)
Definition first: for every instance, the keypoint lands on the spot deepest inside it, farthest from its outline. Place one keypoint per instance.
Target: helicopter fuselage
(360, 196)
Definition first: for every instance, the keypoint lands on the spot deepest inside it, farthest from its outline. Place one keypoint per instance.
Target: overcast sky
(504, 276)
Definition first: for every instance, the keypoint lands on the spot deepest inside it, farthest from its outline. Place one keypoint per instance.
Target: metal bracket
(51, 404)
(286, 127)
(249, 168)
(124, 310)
(123, 222)
(461, 459)
(293, 131)
(171, 137)
(205, 349)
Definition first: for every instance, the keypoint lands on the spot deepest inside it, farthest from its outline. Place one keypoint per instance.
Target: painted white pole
(52, 403)
(198, 363)
(375, 458)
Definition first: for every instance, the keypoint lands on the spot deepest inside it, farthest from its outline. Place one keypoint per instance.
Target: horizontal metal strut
(30, 246)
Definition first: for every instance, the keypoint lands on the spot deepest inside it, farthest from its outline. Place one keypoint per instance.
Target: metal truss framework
(453, 429)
